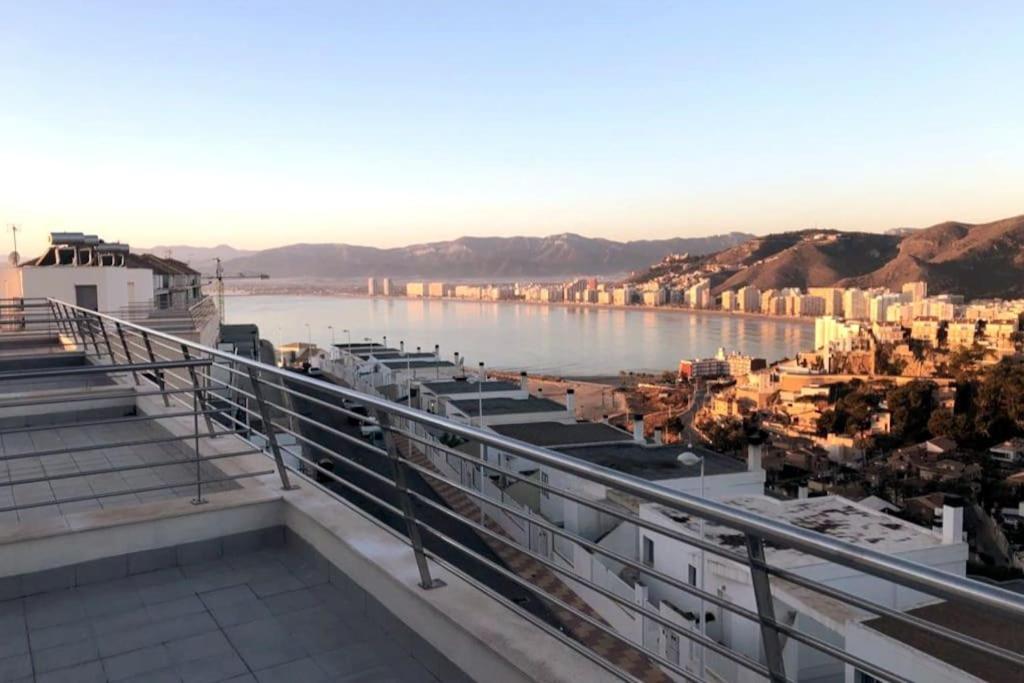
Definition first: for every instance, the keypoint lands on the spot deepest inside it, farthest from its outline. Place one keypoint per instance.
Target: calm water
(557, 339)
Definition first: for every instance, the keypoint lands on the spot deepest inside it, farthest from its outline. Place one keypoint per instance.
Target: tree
(999, 403)
(911, 406)
(724, 435)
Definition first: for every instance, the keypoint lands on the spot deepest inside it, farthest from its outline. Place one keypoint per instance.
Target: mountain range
(475, 257)
(976, 260)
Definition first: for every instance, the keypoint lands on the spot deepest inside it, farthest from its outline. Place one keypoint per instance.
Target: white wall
(114, 286)
(894, 656)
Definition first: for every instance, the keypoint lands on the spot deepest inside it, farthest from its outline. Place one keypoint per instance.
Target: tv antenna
(14, 257)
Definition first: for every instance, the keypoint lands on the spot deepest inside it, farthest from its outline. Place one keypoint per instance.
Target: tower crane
(218, 278)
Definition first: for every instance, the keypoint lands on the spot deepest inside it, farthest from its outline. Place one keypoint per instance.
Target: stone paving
(275, 614)
(85, 489)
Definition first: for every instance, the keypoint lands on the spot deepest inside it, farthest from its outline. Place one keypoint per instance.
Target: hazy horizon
(396, 123)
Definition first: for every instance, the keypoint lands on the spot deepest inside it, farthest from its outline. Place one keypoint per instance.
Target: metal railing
(267, 406)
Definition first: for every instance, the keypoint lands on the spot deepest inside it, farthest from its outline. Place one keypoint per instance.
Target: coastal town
(907, 400)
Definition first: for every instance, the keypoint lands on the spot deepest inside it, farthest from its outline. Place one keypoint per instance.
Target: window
(862, 677)
(648, 552)
(692, 577)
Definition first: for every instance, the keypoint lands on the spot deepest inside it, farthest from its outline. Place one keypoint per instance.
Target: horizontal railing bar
(124, 392)
(909, 619)
(590, 545)
(593, 504)
(116, 444)
(128, 419)
(128, 468)
(741, 559)
(305, 397)
(547, 597)
(100, 369)
(696, 637)
(708, 597)
(128, 492)
(869, 561)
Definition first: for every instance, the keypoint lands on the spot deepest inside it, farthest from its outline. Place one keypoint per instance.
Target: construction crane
(218, 279)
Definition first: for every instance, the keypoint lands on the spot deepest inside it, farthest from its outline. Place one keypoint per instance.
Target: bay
(557, 339)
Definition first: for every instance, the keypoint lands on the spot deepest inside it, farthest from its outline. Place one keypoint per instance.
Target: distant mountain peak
(560, 255)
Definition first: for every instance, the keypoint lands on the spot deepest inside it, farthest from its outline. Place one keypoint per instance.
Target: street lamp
(689, 459)
(349, 337)
(331, 328)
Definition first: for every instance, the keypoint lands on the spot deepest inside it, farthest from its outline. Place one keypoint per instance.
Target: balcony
(173, 512)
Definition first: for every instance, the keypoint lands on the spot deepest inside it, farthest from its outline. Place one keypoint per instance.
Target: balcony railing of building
(225, 394)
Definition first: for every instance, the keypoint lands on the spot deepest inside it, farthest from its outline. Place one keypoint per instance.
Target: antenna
(14, 258)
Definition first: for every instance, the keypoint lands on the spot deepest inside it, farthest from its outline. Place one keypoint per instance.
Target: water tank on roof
(69, 238)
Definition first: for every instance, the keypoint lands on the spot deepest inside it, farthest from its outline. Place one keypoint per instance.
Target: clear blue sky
(392, 122)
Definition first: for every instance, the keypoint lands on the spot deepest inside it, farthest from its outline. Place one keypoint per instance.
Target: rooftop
(654, 463)
(832, 515)
(448, 387)
(557, 434)
(402, 363)
(508, 406)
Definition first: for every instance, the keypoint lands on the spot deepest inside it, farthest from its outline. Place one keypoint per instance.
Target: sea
(570, 341)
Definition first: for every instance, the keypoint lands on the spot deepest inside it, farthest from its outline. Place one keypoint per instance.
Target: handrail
(252, 399)
(926, 579)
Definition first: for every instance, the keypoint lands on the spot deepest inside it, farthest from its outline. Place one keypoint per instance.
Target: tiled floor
(269, 615)
(16, 443)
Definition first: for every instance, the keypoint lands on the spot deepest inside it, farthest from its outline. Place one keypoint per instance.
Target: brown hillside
(978, 261)
(817, 258)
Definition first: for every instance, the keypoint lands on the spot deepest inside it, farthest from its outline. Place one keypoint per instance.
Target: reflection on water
(558, 339)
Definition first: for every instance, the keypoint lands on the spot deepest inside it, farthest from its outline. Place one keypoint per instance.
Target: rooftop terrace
(181, 518)
(508, 406)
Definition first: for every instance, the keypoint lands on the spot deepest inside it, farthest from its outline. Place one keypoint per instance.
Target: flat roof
(967, 619)
(654, 462)
(402, 363)
(834, 516)
(455, 386)
(388, 355)
(558, 434)
(508, 406)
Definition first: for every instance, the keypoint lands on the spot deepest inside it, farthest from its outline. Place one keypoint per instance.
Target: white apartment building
(855, 304)
(84, 270)
(827, 619)
(699, 294)
(749, 299)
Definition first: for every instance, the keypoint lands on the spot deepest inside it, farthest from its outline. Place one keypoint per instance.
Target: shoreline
(743, 315)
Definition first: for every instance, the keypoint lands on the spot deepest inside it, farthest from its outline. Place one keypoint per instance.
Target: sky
(388, 123)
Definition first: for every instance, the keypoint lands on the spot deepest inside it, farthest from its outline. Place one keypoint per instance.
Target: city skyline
(394, 125)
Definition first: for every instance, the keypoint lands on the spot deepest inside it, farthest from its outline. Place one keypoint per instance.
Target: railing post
(54, 311)
(413, 529)
(198, 500)
(106, 340)
(203, 403)
(127, 351)
(268, 429)
(75, 323)
(159, 374)
(765, 609)
(92, 335)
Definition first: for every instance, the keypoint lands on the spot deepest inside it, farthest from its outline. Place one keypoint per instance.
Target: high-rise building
(855, 304)
(749, 299)
(373, 286)
(914, 291)
(699, 295)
